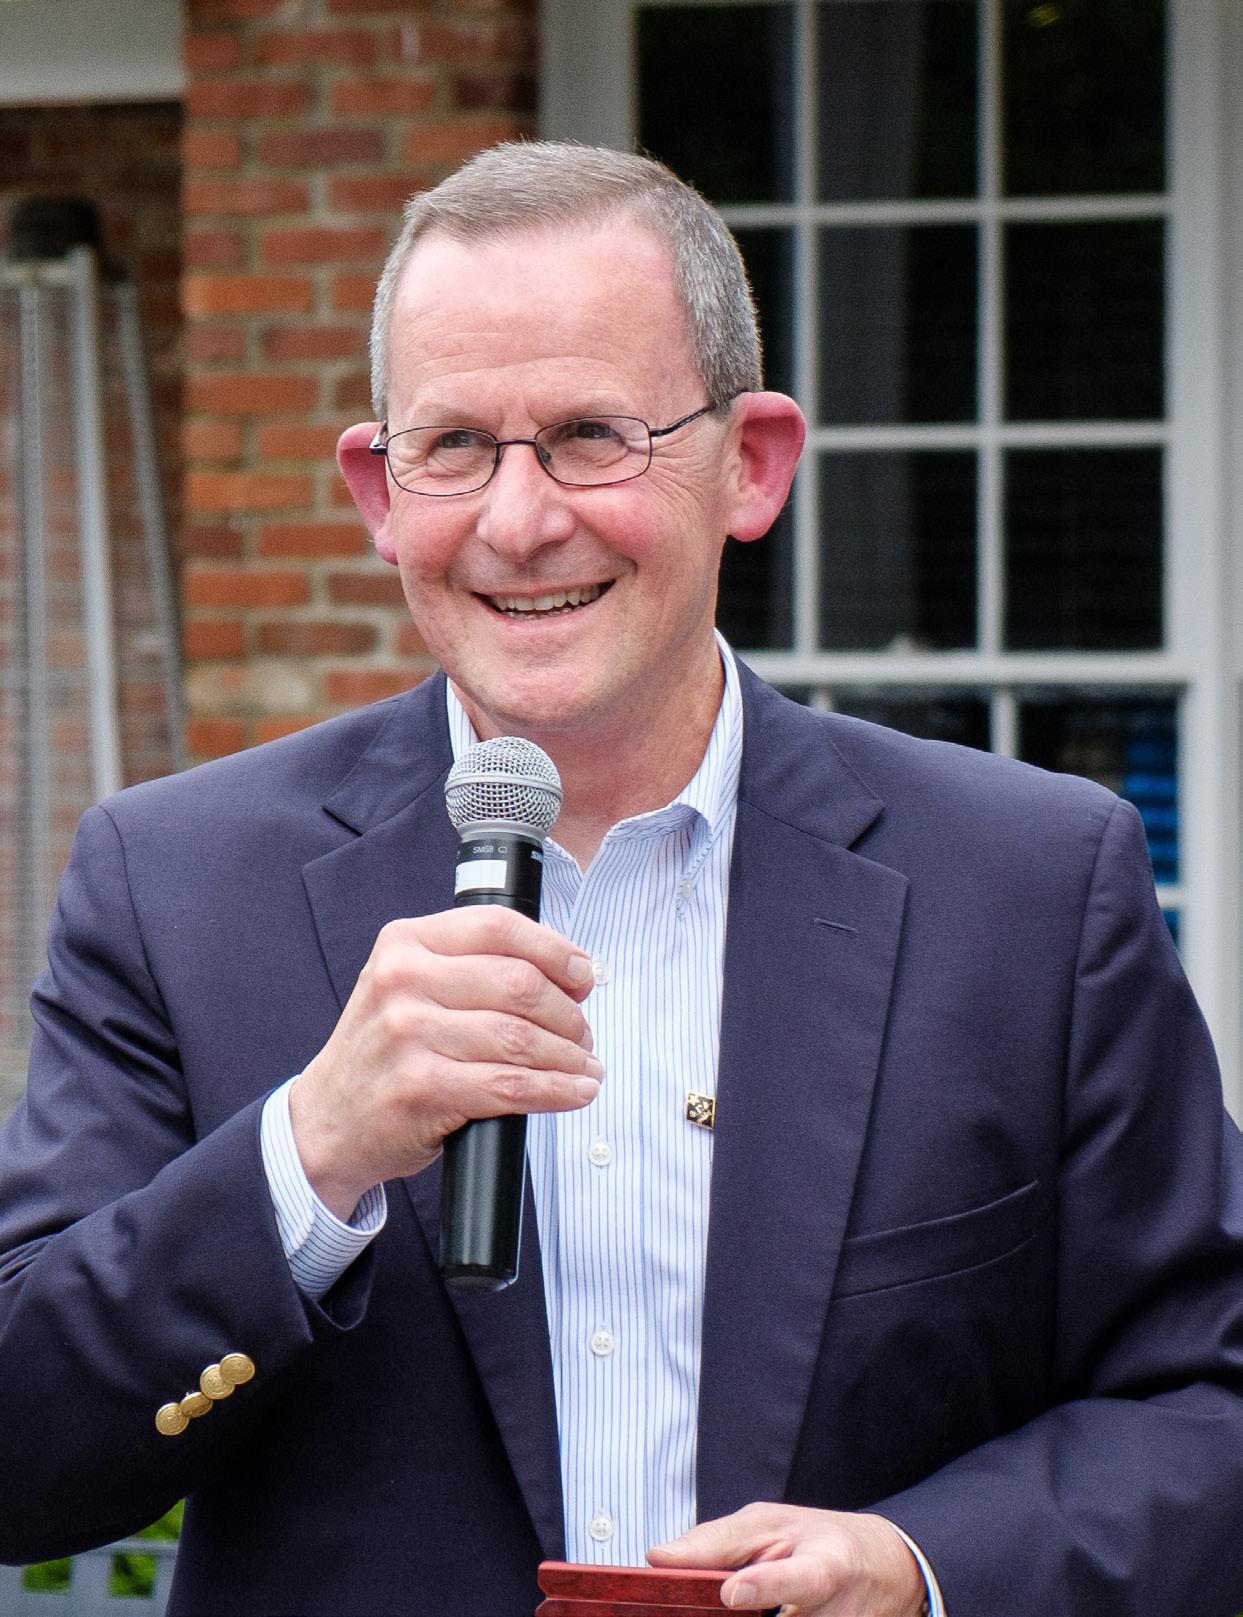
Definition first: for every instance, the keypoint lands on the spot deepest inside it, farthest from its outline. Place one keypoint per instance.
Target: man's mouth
(542, 606)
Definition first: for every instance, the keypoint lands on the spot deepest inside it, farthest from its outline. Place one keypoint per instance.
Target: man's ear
(367, 476)
(771, 430)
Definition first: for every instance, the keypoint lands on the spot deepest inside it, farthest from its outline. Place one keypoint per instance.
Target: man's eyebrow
(435, 414)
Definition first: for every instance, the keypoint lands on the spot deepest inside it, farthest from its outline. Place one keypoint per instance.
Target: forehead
(556, 308)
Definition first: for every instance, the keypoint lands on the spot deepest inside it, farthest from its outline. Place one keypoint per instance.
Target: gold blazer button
(237, 1368)
(194, 1404)
(169, 1421)
(213, 1383)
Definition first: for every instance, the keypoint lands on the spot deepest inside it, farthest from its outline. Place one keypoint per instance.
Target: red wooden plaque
(627, 1591)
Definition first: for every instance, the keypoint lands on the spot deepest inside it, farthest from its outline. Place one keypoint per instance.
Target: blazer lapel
(399, 863)
(811, 946)
(507, 1334)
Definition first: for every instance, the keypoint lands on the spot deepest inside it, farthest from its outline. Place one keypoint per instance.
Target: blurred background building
(998, 248)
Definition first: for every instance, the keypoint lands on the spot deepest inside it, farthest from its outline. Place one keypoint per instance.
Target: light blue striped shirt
(620, 1187)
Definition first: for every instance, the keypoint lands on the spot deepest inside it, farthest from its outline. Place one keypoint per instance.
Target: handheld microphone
(503, 797)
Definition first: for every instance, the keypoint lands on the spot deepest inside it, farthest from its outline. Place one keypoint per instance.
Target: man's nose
(523, 508)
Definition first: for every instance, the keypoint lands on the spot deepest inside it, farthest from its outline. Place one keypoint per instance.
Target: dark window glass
(1083, 549)
(1085, 321)
(898, 568)
(897, 99)
(898, 324)
(757, 588)
(938, 716)
(1084, 96)
(769, 256)
(1129, 744)
(715, 97)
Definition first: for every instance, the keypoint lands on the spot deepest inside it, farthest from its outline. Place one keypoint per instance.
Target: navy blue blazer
(974, 1251)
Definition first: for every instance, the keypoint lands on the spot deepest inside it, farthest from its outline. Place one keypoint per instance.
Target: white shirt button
(601, 970)
(600, 1153)
(601, 1527)
(684, 888)
(602, 1343)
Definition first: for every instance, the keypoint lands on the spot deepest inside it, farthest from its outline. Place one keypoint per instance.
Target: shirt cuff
(934, 1606)
(319, 1247)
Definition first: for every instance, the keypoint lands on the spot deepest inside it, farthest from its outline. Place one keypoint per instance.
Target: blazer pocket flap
(940, 1246)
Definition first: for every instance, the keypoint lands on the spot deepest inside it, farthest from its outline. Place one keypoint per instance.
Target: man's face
(511, 336)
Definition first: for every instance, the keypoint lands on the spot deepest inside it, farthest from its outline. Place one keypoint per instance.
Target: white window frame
(587, 90)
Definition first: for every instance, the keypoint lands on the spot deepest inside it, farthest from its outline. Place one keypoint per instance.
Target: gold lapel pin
(700, 1109)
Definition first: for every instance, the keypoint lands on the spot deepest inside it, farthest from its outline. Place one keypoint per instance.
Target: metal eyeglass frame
(379, 446)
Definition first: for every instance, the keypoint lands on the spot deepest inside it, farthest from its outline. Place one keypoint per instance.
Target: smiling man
(569, 331)
(946, 1301)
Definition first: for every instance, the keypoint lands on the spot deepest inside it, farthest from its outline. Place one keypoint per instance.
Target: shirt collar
(711, 791)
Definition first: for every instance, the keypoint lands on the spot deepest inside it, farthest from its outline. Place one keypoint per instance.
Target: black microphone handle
(484, 1169)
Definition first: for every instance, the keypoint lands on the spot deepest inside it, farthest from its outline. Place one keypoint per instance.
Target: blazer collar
(409, 753)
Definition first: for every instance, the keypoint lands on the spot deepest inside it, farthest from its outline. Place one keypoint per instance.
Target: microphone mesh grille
(506, 778)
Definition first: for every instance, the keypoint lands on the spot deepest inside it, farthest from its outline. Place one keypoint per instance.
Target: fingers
(814, 1582)
(471, 1013)
(491, 1091)
(728, 1541)
(486, 958)
(821, 1563)
(489, 930)
(517, 1040)
(472, 1007)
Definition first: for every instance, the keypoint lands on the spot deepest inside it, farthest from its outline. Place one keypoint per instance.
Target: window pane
(715, 97)
(898, 564)
(1084, 96)
(769, 256)
(1083, 550)
(1085, 321)
(897, 93)
(935, 715)
(1129, 744)
(753, 608)
(898, 324)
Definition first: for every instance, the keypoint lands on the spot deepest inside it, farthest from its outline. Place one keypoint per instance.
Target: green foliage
(130, 1574)
(48, 1575)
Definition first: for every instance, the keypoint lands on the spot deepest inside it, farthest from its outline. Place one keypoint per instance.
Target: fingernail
(744, 1594)
(595, 1067)
(588, 1088)
(587, 1042)
(580, 968)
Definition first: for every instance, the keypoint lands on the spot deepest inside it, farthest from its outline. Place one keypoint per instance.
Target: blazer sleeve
(1124, 1499)
(135, 1249)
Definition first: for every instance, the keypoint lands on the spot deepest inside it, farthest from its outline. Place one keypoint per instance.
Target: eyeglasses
(585, 453)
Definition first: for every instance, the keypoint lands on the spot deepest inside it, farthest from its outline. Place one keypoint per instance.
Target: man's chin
(533, 710)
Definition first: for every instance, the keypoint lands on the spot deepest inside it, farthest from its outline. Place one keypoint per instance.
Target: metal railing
(88, 1592)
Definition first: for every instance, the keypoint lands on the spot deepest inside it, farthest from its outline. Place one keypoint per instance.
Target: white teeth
(546, 603)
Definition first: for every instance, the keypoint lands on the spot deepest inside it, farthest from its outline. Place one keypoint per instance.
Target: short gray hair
(525, 185)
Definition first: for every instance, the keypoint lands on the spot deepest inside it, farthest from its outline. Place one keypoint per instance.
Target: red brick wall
(308, 123)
